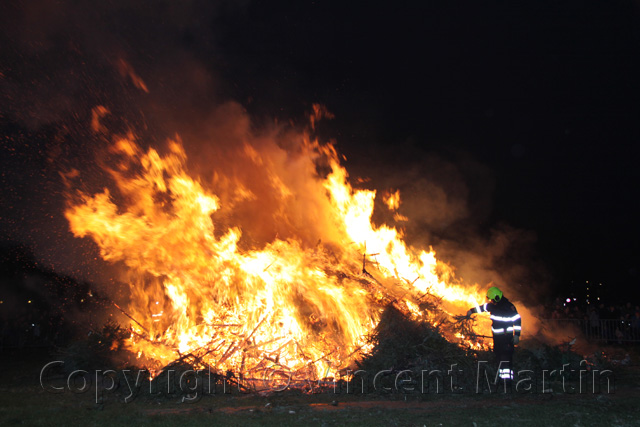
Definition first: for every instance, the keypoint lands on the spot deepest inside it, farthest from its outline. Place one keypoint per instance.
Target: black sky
(544, 94)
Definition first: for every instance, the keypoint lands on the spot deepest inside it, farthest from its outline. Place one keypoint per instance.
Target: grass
(28, 406)
(24, 402)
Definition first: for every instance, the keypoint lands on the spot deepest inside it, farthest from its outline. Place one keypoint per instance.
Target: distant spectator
(613, 313)
(594, 321)
(602, 311)
(635, 325)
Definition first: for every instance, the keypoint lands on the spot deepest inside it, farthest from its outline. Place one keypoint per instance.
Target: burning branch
(130, 317)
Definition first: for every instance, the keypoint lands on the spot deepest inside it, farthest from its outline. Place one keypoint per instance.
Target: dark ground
(25, 402)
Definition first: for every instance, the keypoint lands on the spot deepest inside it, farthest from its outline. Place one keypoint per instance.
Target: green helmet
(494, 294)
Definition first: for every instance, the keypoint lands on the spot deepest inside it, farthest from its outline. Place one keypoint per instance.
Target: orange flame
(196, 288)
(126, 70)
(392, 200)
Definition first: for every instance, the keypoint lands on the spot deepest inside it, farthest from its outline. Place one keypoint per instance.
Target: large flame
(304, 300)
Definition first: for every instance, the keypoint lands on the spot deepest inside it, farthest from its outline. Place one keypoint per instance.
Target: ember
(201, 295)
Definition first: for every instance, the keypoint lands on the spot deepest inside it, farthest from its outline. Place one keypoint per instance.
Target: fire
(197, 288)
(392, 200)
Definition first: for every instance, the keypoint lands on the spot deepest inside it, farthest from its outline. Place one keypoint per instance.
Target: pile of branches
(431, 341)
(401, 343)
(101, 349)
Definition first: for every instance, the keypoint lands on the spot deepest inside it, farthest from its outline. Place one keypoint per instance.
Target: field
(24, 401)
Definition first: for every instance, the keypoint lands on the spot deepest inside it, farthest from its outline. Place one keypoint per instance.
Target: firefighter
(506, 328)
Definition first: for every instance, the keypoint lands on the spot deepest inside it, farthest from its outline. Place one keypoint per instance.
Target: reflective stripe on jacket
(504, 316)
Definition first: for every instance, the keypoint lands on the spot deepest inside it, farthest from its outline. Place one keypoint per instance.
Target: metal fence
(612, 331)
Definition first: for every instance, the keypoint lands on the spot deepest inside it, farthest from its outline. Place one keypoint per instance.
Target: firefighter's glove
(516, 339)
(470, 312)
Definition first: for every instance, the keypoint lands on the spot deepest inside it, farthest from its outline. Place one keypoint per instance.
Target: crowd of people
(613, 322)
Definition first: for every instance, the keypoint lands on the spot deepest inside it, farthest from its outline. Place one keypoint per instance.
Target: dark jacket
(504, 315)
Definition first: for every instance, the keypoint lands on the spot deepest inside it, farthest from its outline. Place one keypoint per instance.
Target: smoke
(59, 60)
(62, 58)
(154, 68)
(446, 202)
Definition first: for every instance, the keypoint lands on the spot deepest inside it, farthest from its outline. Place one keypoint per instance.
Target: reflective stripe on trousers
(505, 374)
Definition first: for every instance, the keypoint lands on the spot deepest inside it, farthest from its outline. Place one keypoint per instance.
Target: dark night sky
(545, 95)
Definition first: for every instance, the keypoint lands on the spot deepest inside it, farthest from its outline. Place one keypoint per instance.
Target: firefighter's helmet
(494, 294)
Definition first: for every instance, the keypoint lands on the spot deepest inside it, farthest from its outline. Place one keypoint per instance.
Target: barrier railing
(613, 331)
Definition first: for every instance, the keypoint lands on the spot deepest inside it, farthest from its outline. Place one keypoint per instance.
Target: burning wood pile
(208, 289)
(391, 344)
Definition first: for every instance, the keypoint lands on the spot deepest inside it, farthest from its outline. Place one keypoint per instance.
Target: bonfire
(206, 291)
